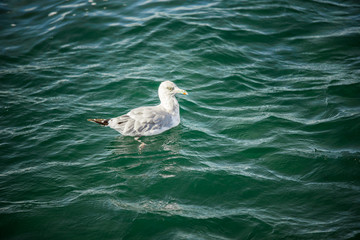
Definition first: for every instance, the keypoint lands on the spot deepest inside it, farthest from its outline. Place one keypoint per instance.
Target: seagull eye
(170, 88)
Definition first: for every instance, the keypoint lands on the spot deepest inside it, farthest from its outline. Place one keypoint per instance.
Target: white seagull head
(168, 88)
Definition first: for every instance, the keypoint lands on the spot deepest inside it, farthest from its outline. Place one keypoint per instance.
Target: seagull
(151, 120)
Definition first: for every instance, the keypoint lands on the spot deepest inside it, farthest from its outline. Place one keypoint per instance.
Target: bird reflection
(167, 141)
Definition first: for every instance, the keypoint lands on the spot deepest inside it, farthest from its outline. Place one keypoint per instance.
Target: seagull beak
(181, 91)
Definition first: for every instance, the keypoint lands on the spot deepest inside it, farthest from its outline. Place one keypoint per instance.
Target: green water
(269, 140)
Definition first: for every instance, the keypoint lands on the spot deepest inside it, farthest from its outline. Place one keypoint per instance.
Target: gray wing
(141, 120)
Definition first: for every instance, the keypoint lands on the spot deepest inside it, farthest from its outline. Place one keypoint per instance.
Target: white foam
(52, 14)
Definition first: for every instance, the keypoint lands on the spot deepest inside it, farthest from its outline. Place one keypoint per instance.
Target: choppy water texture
(268, 146)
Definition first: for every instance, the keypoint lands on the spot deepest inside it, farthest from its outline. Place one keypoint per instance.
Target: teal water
(269, 141)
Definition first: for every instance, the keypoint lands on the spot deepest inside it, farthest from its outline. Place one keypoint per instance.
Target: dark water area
(269, 141)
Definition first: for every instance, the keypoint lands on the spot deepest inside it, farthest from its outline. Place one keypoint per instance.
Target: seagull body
(152, 120)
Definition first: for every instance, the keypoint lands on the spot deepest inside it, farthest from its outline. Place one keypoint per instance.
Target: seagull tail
(103, 122)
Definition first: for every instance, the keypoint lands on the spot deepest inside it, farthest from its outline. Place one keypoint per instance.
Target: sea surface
(269, 141)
